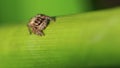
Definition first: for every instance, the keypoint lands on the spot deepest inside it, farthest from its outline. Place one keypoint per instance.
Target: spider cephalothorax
(38, 23)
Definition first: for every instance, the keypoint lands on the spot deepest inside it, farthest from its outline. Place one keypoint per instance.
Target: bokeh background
(85, 34)
(14, 10)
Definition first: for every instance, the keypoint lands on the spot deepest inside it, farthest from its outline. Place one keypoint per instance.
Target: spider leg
(53, 18)
(41, 33)
(29, 29)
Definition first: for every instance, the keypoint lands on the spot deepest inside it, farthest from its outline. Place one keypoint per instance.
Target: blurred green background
(14, 10)
(76, 40)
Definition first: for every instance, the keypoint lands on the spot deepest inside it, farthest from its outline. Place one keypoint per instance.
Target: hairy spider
(39, 23)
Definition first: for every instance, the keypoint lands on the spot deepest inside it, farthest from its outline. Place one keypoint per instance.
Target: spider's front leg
(41, 33)
(29, 29)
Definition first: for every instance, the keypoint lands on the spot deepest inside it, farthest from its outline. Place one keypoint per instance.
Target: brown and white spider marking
(38, 23)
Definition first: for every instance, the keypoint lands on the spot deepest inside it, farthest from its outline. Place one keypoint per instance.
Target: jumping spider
(39, 23)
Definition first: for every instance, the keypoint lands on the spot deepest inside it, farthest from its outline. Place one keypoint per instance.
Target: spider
(39, 23)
